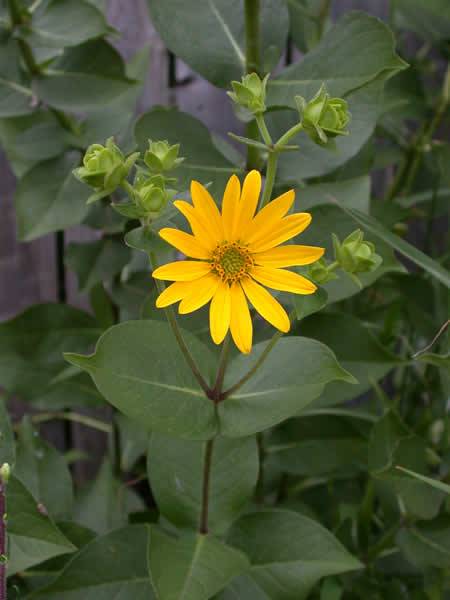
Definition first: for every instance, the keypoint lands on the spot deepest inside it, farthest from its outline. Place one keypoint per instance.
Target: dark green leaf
(15, 99)
(428, 18)
(133, 441)
(7, 445)
(439, 485)
(427, 545)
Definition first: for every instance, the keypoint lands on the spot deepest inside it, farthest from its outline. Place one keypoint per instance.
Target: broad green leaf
(175, 469)
(79, 82)
(353, 193)
(306, 27)
(391, 444)
(48, 198)
(310, 304)
(7, 444)
(111, 566)
(59, 24)
(289, 553)
(44, 472)
(344, 60)
(427, 544)
(429, 18)
(151, 382)
(439, 485)
(243, 588)
(406, 249)
(200, 565)
(209, 35)
(31, 347)
(105, 502)
(96, 262)
(15, 99)
(356, 349)
(133, 441)
(319, 445)
(203, 161)
(33, 537)
(294, 374)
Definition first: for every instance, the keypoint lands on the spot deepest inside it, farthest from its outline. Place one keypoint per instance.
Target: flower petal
(182, 270)
(205, 205)
(230, 206)
(266, 305)
(285, 281)
(288, 256)
(249, 201)
(173, 293)
(287, 228)
(240, 322)
(198, 224)
(220, 312)
(201, 292)
(184, 242)
(270, 215)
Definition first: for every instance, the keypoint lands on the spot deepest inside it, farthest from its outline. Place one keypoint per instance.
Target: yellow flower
(236, 251)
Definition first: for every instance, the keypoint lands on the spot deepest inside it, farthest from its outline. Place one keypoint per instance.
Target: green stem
(288, 135)
(179, 337)
(75, 418)
(217, 389)
(271, 171)
(263, 129)
(252, 36)
(207, 463)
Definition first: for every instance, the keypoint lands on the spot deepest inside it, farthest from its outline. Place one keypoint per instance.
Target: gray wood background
(28, 273)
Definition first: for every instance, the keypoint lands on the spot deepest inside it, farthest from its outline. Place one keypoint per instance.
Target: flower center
(231, 261)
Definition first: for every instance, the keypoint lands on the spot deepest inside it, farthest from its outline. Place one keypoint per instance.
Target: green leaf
(210, 37)
(243, 588)
(59, 24)
(356, 349)
(151, 382)
(428, 18)
(305, 19)
(397, 243)
(294, 374)
(175, 469)
(442, 361)
(203, 161)
(289, 553)
(48, 198)
(308, 305)
(31, 347)
(427, 545)
(344, 60)
(133, 441)
(353, 193)
(96, 262)
(78, 82)
(439, 485)
(105, 502)
(33, 537)
(111, 566)
(15, 99)
(44, 472)
(200, 565)
(7, 444)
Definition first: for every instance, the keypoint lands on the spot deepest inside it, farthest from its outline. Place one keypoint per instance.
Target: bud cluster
(250, 93)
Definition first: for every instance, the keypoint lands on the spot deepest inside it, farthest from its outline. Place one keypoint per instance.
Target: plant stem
(207, 462)
(288, 135)
(74, 417)
(217, 389)
(179, 337)
(271, 171)
(263, 129)
(3, 537)
(252, 36)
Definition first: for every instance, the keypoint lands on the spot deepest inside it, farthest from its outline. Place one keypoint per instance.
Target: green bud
(320, 272)
(356, 255)
(250, 93)
(5, 472)
(161, 156)
(105, 167)
(151, 195)
(323, 117)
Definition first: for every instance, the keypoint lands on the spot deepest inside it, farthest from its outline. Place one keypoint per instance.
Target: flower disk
(237, 252)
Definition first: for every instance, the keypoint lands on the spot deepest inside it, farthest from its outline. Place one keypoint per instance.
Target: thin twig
(434, 340)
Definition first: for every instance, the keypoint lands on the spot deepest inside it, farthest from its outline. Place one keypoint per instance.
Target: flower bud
(5, 472)
(355, 255)
(250, 93)
(105, 167)
(161, 156)
(150, 195)
(320, 272)
(323, 117)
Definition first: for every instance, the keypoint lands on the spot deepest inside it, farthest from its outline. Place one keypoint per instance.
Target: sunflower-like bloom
(236, 253)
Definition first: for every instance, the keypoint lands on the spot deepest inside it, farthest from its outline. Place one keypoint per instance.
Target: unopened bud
(5, 472)
(250, 93)
(356, 255)
(320, 272)
(161, 156)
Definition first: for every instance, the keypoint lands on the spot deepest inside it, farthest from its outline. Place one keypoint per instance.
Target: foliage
(317, 466)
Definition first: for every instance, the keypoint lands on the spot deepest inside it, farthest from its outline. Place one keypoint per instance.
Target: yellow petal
(266, 305)
(249, 200)
(182, 270)
(268, 217)
(288, 256)
(285, 281)
(286, 229)
(219, 313)
(184, 242)
(230, 206)
(198, 224)
(240, 322)
(204, 204)
(175, 292)
(202, 290)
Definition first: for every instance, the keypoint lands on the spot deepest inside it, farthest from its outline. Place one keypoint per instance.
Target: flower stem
(75, 418)
(288, 135)
(217, 389)
(263, 129)
(3, 549)
(179, 337)
(207, 463)
(252, 36)
(271, 171)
